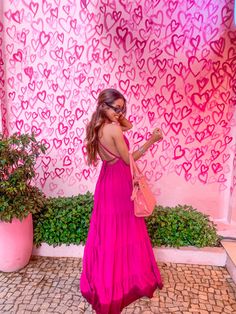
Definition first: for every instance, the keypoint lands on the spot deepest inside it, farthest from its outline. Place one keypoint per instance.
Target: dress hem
(127, 299)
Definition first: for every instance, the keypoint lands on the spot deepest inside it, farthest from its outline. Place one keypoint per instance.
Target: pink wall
(173, 60)
(232, 204)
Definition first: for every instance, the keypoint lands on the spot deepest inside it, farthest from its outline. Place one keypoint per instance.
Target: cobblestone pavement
(51, 285)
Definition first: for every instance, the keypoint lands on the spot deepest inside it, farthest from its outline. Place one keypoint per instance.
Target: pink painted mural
(175, 62)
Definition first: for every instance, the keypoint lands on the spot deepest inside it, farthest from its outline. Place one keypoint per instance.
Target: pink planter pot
(16, 244)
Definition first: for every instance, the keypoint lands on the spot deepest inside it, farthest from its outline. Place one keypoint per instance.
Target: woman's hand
(157, 135)
(120, 117)
(124, 123)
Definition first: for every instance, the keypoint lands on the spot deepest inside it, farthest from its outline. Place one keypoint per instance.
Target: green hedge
(65, 220)
(181, 226)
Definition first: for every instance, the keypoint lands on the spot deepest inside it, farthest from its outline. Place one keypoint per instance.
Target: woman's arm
(117, 135)
(124, 123)
(139, 152)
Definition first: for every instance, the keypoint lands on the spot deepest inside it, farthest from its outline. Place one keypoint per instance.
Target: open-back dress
(118, 264)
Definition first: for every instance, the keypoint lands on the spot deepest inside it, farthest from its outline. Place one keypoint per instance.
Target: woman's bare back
(106, 140)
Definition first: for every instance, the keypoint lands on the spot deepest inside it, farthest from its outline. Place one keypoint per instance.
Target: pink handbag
(144, 200)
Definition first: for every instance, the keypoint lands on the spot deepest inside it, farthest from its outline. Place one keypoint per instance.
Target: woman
(118, 265)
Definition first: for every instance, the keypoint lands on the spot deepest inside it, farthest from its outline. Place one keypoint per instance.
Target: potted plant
(19, 199)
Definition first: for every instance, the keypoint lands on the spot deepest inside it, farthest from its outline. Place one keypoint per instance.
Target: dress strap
(108, 150)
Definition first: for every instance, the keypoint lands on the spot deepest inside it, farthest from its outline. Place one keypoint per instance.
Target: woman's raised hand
(157, 135)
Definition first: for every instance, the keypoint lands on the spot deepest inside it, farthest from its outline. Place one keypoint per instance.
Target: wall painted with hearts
(175, 62)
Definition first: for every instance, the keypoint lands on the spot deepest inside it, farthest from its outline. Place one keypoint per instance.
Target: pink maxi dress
(118, 264)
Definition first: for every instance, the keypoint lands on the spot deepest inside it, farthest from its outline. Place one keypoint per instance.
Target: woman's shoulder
(112, 127)
(109, 129)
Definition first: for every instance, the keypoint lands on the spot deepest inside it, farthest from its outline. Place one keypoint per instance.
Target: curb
(214, 256)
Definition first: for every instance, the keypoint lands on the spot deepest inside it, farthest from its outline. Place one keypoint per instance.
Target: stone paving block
(51, 285)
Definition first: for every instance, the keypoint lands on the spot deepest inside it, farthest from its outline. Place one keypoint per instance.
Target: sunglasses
(116, 109)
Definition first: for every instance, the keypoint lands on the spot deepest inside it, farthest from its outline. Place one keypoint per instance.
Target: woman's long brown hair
(107, 96)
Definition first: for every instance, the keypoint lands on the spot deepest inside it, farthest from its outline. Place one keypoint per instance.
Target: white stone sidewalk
(51, 285)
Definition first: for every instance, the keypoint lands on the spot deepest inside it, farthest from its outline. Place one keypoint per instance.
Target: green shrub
(181, 226)
(65, 220)
(18, 155)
